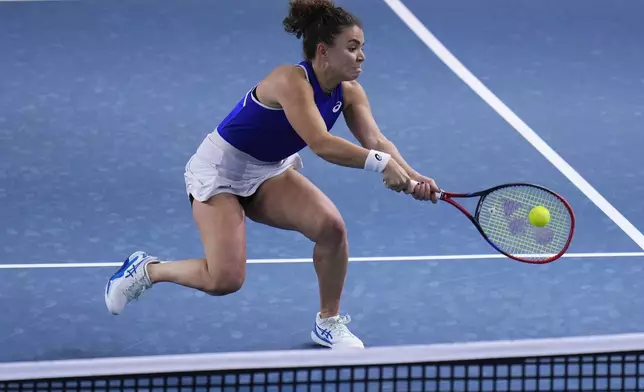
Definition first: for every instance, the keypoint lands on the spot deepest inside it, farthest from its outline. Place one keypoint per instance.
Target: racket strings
(503, 216)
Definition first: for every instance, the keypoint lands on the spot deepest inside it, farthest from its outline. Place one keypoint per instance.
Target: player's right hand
(395, 177)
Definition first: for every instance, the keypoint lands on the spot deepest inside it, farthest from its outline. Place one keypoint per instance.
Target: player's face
(345, 57)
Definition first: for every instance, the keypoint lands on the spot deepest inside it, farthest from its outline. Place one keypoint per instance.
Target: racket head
(501, 216)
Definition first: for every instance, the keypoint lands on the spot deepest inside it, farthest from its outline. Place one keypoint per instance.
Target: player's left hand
(426, 189)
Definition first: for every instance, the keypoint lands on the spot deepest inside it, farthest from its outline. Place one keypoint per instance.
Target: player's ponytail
(316, 21)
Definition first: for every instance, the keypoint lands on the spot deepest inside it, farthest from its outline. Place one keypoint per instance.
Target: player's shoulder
(352, 92)
(284, 82)
(352, 87)
(287, 74)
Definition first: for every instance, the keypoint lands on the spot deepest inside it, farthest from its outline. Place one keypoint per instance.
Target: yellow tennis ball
(539, 216)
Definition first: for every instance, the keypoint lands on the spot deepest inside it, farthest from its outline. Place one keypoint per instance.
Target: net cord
(164, 364)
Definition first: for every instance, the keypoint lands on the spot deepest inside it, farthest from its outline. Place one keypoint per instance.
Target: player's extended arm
(360, 120)
(294, 94)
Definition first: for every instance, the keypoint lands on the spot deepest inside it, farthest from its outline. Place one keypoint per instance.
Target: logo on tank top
(337, 107)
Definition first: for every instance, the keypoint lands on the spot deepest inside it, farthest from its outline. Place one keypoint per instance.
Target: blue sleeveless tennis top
(265, 133)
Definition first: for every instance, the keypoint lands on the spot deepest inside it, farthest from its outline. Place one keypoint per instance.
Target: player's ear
(322, 50)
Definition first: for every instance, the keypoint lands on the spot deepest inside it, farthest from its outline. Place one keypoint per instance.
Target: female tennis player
(248, 167)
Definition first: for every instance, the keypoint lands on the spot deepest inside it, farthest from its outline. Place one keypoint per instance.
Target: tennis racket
(502, 218)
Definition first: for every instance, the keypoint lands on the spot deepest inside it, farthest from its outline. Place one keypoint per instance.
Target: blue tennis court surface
(102, 103)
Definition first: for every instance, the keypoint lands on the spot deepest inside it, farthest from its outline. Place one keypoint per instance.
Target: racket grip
(412, 186)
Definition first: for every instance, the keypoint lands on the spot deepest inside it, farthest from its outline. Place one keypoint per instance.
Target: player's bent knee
(224, 287)
(224, 283)
(332, 229)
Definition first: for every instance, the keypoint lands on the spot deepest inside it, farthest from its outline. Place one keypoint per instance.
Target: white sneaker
(129, 282)
(333, 332)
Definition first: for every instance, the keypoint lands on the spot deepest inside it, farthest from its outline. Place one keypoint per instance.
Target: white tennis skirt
(218, 167)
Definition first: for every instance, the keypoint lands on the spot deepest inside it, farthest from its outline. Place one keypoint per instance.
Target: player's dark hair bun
(316, 21)
(305, 13)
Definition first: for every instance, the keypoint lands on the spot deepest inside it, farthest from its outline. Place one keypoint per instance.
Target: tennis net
(595, 363)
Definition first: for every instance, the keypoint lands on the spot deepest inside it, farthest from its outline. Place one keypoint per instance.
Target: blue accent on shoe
(327, 334)
(126, 264)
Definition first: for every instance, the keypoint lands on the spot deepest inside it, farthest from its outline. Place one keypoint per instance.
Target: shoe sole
(319, 341)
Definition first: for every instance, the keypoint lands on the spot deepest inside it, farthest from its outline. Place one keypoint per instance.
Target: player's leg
(290, 201)
(221, 223)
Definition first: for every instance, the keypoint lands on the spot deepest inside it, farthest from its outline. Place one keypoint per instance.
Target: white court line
(32, 1)
(351, 259)
(459, 69)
